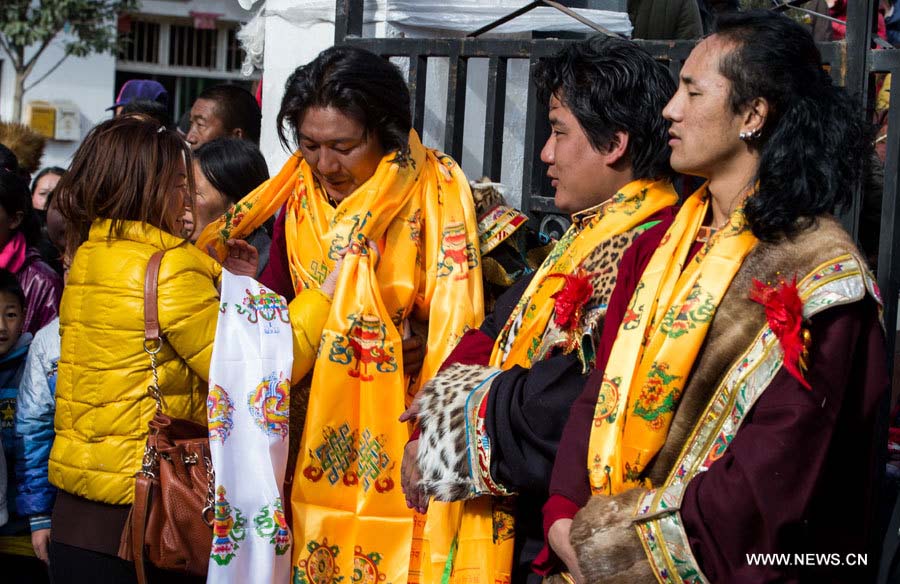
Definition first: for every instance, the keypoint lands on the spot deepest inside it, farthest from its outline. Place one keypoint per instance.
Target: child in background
(34, 436)
(34, 416)
(14, 540)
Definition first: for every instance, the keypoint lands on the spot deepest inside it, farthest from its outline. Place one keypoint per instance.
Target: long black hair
(234, 167)
(362, 85)
(612, 85)
(814, 145)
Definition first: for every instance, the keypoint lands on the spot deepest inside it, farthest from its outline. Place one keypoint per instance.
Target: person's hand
(413, 355)
(410, 478)
(40, 541)
(330, 283)
(241, 258)
(558, 538)
(412, 412)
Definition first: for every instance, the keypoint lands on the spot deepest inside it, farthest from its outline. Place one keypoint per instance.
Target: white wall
(87, 82)
(290, 42)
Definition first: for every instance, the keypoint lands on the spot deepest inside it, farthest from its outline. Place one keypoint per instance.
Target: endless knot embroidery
(342, 456)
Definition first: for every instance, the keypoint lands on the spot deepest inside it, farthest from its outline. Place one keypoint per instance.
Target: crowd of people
(684, 381)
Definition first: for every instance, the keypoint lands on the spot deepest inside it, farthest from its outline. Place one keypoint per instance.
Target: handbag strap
(151, 303)
(152, 344)
(139, 513)
(152, 337)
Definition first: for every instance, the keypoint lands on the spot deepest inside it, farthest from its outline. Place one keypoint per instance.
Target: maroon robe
(757, 498)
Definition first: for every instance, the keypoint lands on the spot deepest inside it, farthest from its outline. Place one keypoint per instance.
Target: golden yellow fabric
(348, 509)
(657, 342)
(481, 556)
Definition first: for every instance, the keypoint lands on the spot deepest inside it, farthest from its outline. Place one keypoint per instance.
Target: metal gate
(853, 65)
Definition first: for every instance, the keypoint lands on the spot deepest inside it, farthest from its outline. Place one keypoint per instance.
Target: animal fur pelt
(443, 453)
(606, 542)
(603, 536)
(26, 144)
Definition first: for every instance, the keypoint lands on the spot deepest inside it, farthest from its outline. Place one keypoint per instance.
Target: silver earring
(750, 135)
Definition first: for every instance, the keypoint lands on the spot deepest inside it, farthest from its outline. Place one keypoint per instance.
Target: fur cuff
(606, 542)
(446, 403)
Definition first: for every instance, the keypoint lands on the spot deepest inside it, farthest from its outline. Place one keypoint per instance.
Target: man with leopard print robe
(607, 159)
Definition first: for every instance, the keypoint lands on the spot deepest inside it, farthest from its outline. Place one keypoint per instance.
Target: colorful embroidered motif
(219, 413)
(266, 304)
(373, 460)
(270, 524)
(339, 243)
(270, 404)
(233, 217)
(620, 203)
(365, 567)
(335, 454)
(657, 395)
(698, 309)
(633, 313)
(366, 345)
(502, 509)
(320, 566)
(347, 457)
(607, 400)
(456, 251)
(228, 529)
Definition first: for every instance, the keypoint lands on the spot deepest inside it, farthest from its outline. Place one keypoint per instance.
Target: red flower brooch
(784, 313)
(571, 298)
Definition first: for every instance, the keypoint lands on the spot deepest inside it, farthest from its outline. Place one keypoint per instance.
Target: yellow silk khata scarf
(484, 538)
(658, 341)
(349, 514)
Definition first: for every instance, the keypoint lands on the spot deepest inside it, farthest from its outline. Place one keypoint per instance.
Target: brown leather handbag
(170, 524)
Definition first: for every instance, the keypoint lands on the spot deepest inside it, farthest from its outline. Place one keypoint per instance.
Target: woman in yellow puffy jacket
(123, 200)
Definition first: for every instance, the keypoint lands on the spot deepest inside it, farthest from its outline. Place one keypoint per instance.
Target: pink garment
(12, 256)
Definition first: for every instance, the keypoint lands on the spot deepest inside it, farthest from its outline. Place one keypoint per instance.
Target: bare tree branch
(47, 74)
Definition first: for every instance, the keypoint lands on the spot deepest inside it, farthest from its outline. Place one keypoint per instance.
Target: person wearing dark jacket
(19, 231)
(528, 361)
(665, 19)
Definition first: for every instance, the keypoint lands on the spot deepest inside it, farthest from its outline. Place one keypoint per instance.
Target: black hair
(237, 108)
(45, 171)
(232, 166)
(10, 285)
(814, 145)
(148, 107)
(612, 85)
(8, 159)
(362, 85)
(15, 197)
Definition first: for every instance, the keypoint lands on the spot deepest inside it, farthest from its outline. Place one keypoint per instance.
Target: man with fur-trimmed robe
(503, 396)
(732, 435)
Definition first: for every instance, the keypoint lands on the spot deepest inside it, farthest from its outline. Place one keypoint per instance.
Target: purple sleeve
(277, 273)
(42, 287)
(799, 475)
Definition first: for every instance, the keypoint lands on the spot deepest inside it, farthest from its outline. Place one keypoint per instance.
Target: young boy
(14, 345)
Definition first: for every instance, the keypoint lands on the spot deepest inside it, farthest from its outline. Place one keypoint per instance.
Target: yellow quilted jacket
(102, 404)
